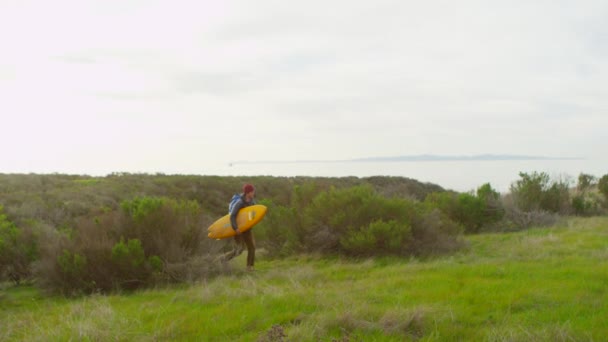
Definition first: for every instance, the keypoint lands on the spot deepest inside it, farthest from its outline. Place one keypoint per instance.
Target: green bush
(586, 201)
(536, 192)
(528, 192)
(169, 228)
(174, 231)
(72, 275)
(358, 220)
(557, 198)
(434, 233)
(602, 186)
(587, 204)
(140, 208)
(18, 249)
(129, 254)
(72, 264)
(277, 233)
(579, 205)
(156, 263)
(333, 214)
(149, 240)
(473, 212)
(130, 266)
(585, 182)
(378, 238)
(494, 210)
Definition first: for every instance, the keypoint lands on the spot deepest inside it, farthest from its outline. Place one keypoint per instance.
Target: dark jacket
(242, 203)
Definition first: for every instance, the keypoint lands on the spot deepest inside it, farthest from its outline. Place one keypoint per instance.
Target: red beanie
(247, 188)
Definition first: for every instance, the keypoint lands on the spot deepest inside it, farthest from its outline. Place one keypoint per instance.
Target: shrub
(585, 182)
(379, 237)
(473, 212)
(171, 229)
(602, 186)
(78, 260)
(156, 263)
(434, 233)
(528, 191)
(357, 220)
(333, 214)
(18, 249)
(129, 254)
(277, 233)
(517, 219)
(150, 240)
(73, 270)
(536, 192)
(140, 208)
(557, 198)
(174, 231)
(579, 205)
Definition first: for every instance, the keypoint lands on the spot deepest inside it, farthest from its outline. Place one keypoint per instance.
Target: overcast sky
(178, 86)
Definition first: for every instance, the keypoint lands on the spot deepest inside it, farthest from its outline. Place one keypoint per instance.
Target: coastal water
(454, 175)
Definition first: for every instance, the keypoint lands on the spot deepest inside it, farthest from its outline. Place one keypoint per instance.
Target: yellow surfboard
(245, 219)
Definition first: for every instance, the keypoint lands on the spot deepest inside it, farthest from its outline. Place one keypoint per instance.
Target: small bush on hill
(359, 221)
(18, 249)
(377, 238)
(278, 231)
(536, 192)
(517, 219)
(585, 182)
(602, 186)
(149, 240)
(130, 264)
(586, 200)
(434, 233)
(334, 214)
(473, 212)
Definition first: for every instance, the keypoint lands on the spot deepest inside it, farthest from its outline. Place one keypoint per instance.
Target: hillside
(544, 284)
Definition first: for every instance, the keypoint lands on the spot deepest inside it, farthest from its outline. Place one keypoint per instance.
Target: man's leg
(250, 242)
(237, 248)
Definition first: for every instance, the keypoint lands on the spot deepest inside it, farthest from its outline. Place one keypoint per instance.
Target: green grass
(538, 285)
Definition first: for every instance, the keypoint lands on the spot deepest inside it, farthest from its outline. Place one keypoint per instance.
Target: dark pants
(246, 239)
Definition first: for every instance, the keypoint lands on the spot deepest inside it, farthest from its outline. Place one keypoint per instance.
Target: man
(243, 238)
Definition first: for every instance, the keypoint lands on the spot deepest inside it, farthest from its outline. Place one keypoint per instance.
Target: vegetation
(80, 234)
(18, 249)
(360, 222)
(473, 212)
(541, 284)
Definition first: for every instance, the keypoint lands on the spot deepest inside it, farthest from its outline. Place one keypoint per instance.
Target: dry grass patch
(407, 322)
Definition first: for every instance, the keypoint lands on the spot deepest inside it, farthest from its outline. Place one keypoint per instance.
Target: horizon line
(413, 158)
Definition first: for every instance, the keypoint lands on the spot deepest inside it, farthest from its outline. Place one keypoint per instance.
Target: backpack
(233, 202)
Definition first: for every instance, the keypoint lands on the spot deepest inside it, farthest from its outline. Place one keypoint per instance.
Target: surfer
(243, 238)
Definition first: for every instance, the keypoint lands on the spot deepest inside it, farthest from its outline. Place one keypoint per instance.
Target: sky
(94, 87)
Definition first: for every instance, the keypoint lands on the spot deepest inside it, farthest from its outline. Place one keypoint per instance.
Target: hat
(247, 188)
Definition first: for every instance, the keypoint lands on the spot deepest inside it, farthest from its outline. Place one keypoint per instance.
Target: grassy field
(548, 284)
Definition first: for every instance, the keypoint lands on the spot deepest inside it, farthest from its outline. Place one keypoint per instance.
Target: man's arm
(235, 210)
